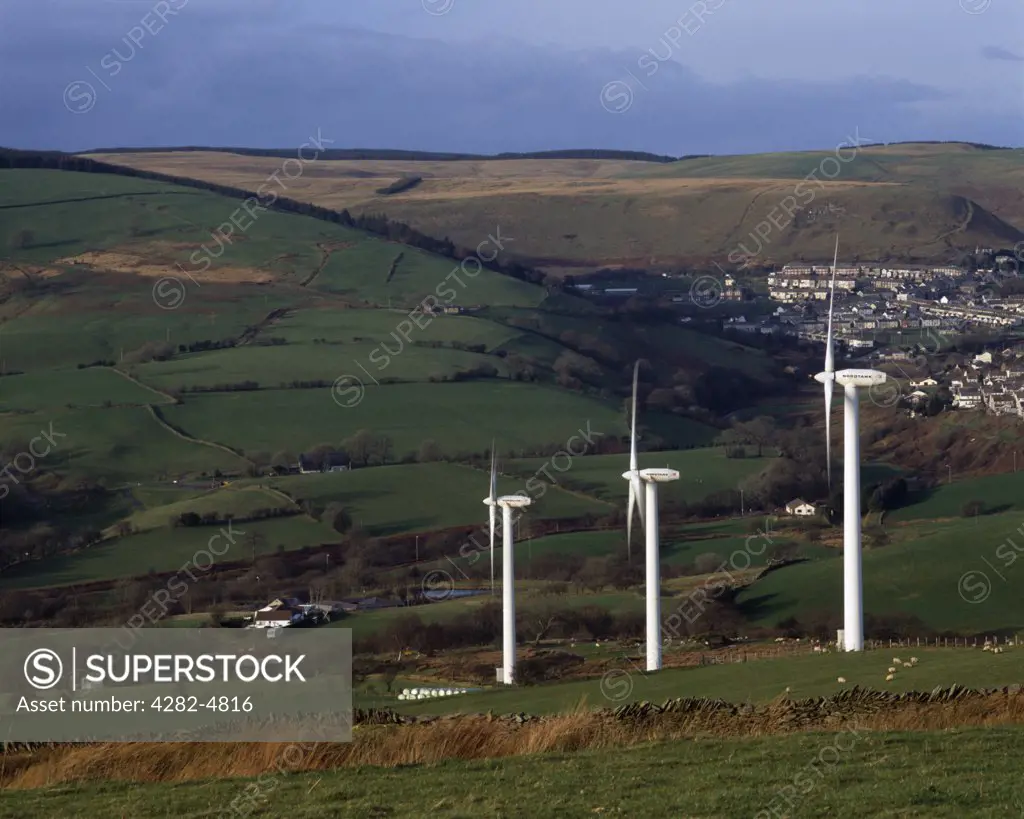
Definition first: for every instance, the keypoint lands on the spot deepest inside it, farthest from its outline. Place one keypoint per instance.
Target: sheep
(890, 678)
(913, 660)
(840, 679)
(897, 661)
(892, 669)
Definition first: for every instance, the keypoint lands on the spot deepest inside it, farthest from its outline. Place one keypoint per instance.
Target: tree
(429, 451)
(283, 461)
(360, 446)
(383, 449)
(337, 518)
(973, 508)
(759, 432)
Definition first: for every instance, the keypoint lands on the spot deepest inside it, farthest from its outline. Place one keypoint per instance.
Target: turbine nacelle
(513, 501)
(659, 475)
(860, 378)
(825, 377)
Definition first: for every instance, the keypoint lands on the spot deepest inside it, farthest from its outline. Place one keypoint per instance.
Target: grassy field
(968, 772)
(99, 326)
(459, 417)
(93, 387)
(239, 502)
(354, 325)
(116, 444)
(996, 492)
(806, 675)
(168, 550)
(278, 366)
(421, 497)
(701, 472)
(953, 574)
(898, 201)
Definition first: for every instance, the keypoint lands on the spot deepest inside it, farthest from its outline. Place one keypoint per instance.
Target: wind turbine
(508, 585)
(852, 636)
(643, 491)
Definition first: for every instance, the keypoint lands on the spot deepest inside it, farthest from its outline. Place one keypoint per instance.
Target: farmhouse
(277, 618)
(801, 508)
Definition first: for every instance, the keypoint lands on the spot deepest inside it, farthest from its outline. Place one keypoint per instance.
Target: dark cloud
(250, 74)
(999, 53)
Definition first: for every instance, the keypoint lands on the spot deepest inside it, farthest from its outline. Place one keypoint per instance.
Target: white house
(801, 508)
(277, 618)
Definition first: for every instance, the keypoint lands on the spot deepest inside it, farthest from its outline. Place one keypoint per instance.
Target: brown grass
(571, 215)
(147, 263)
(479, 737)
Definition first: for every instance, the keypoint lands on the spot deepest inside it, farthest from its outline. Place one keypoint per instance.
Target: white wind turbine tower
(851, 638)
(508, 580)
(643, 492)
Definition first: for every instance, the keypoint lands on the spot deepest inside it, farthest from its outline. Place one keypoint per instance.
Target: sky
(487, 76)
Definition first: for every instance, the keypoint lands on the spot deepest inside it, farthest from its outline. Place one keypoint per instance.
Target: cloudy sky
(484, 76)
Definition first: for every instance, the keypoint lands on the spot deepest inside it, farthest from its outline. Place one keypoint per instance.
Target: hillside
(899, 202)
(172, 381)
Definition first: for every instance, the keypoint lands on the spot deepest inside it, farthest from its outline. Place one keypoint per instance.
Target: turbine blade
(632, 434)
(492, 509)
(636, 486)
(828, 430)
(830, 365)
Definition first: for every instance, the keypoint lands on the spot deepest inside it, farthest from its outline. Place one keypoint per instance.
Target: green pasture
(167, 550)
(421, 497)
(116, 444)
(361, 272)
(92, 387)
(946, 775)
(239, 502)
(40, 340)
(273, 367)
(960, 575)
(459, 417)
(702, 472)
(997, 492)
(805, 675)
(354, 325)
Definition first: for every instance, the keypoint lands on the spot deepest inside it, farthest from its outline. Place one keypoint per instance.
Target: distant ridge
(408, 156)
(441, 156)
